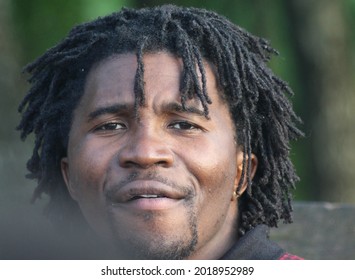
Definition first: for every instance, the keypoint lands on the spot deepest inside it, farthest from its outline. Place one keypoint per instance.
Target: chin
(156, 248)
(155, 239)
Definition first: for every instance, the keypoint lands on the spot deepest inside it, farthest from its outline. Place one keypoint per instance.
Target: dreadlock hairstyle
(263, 116)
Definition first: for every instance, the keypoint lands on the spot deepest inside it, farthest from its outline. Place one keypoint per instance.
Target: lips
(141, 189)
(147, 195)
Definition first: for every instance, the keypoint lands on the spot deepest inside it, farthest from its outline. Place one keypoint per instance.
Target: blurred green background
(316, 42)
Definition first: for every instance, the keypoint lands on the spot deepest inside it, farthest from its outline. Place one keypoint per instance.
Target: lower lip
(151, 204)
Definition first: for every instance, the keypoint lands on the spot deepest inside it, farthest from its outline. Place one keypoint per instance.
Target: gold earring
(236, 195)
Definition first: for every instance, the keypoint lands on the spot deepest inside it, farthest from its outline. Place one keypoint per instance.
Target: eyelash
(183, 126)
(108, 126)
(192, 126)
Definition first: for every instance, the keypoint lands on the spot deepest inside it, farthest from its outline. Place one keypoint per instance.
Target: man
(166, 130)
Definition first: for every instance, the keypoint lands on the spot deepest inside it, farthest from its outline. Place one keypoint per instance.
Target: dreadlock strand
(139, 78)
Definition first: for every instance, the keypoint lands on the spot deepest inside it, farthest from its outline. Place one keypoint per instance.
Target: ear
(64, 166)
(239, 172)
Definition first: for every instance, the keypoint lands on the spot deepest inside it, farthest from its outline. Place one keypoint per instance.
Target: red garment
(288, 256)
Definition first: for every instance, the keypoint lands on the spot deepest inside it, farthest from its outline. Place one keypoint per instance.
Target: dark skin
(160, 185)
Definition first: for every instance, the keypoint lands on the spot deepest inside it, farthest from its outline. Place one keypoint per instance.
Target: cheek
(216, 190)
(213, 162)
(213, 165)
(88, 167)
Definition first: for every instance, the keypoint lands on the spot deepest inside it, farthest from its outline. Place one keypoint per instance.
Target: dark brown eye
(183, 125)
(111, 126)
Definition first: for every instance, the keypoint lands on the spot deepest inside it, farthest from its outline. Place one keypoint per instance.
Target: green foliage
(42, 23)
(91, 9)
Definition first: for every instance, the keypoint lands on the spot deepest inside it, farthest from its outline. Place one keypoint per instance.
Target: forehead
(113, 80)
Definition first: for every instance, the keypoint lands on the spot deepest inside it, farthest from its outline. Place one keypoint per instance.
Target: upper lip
(144, 188)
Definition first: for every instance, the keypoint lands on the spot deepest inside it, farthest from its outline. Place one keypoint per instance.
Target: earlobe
(64, 166)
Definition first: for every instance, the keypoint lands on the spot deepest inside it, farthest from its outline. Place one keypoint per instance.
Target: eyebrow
(119, 108)
(177, 107)
(106, 110)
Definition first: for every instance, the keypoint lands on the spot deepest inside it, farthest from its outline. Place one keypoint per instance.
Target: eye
(184, 125)
(112, 126)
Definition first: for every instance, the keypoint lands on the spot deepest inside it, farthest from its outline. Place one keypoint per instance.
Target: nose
(145, 148)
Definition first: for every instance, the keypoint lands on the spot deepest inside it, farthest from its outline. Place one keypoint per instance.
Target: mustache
(186, 190)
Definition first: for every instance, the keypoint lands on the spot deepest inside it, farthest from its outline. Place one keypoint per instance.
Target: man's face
(160, 185)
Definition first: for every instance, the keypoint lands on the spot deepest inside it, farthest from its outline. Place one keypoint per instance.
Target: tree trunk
(321, 38)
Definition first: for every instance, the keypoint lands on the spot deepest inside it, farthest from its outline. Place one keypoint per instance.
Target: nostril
(145, 151)
(145, 162)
